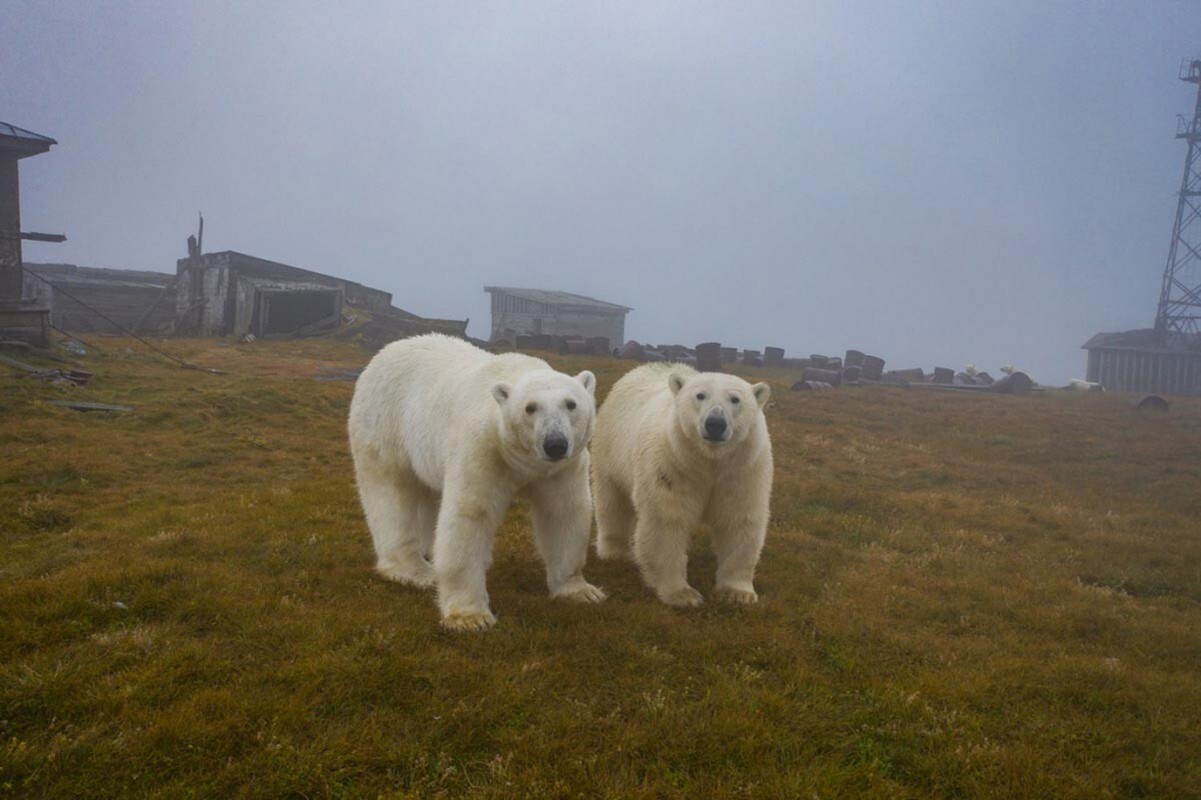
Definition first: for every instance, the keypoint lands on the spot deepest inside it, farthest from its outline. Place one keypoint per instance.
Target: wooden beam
(30, 236)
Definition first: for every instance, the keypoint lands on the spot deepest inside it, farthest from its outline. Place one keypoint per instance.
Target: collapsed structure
(85, 299)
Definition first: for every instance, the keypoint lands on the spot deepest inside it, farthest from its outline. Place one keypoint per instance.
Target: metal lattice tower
(1180, 299)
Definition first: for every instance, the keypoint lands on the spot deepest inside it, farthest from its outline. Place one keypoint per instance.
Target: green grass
(961, 597)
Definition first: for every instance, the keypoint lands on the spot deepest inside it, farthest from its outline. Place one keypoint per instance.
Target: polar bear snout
(556, 446)
(716, 427)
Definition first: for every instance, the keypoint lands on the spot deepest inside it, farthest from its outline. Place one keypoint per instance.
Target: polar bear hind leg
(400, 514)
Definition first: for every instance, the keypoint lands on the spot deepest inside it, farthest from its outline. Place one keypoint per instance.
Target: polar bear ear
(762, 392)
(588, 381)
(676, 382)
(501, 392)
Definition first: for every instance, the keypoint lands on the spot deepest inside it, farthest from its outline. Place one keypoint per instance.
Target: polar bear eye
(571, 405)
(734, 399)
(531, 408)
(700, 395)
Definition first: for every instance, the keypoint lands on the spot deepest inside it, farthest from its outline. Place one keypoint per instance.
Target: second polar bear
(444, 436)
(674, 449)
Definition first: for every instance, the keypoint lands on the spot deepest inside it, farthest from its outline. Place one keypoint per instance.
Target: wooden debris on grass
(69, 377)
(82, 406)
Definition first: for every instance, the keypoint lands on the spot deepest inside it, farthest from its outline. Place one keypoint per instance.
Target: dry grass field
(961, 597)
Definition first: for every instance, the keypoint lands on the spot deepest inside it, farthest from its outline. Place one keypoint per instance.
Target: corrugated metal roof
(34, 139)
(1145, 339)
(557, 298)
(285, 285)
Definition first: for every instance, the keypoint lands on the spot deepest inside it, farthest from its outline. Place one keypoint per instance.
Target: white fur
(655, 478)
(442, 444)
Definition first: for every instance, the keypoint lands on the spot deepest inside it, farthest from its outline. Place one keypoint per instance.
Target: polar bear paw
(685, 597)
(580, 591)
(421, 576)
(734, 594)
(469, 620)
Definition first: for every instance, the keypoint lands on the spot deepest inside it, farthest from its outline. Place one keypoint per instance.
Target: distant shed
(540, 311)
(1146, 361)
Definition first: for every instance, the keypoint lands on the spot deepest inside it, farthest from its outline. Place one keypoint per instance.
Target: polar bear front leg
(661, 551)
(614, 518)
(562, 511)
(463, 541)
(739, 517)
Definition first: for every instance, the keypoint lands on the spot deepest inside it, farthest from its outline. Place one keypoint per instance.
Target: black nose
(555, 446)
(715, 427)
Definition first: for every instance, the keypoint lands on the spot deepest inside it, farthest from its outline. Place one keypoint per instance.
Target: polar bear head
(547, 415)
(715, 409)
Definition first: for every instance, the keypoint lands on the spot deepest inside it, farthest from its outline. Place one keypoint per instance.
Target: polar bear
(444, 436)
(675, 448)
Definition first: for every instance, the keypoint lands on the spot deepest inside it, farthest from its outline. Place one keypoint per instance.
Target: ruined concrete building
(219, 294)
(538, 311)
(229, 293)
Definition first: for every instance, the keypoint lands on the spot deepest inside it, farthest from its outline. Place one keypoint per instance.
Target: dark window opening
(286, 312)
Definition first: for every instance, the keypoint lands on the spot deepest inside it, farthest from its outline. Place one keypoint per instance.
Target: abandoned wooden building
(230, 293)
(1146, 361)
(23, 314)
(538, 311)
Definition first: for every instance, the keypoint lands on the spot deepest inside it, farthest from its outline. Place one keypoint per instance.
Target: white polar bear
(444, 437)
(673, 449)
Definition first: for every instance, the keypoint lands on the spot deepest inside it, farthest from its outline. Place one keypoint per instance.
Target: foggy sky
(935, 182)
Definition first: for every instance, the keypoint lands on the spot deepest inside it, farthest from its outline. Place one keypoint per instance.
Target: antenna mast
(1180, 298)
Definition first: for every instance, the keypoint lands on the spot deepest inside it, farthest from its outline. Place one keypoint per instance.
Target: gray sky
(936, 182)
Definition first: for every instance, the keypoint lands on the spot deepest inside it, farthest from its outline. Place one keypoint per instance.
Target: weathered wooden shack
(90, 299)
(22, 315)
(553, 313)
(1146, 361)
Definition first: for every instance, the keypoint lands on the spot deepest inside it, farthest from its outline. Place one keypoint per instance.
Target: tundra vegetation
(960, 596)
